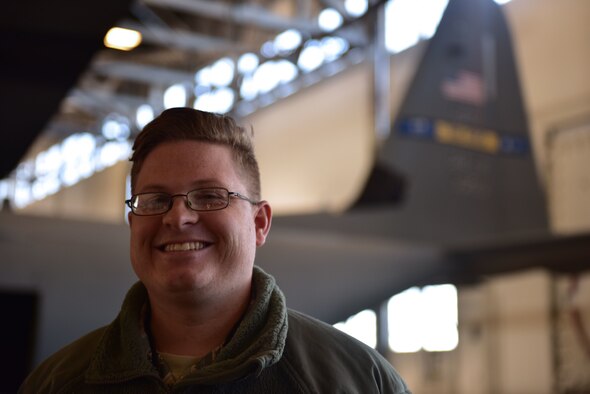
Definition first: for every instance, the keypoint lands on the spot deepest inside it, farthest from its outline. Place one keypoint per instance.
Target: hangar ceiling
(45, 47)
(59, 78)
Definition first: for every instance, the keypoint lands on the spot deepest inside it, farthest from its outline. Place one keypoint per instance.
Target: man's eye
(211, 197)
(208, 199)
(155, 201)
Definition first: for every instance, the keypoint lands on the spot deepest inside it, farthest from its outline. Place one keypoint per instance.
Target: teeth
(184, 246)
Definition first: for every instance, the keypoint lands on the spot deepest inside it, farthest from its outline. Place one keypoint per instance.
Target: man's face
(222, 243)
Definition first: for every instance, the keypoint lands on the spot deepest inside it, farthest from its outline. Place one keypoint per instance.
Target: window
(362, 326)
(423, 318)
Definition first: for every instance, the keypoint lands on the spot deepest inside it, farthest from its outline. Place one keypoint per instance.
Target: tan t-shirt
(179, 365)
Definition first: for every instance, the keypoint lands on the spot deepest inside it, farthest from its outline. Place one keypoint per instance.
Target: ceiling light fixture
(122, 39)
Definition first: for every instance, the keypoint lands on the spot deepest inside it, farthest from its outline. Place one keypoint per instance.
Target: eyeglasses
(208, 199)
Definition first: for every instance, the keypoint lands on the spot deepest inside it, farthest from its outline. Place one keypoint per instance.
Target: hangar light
(122, 39)
(287, 41)
(311, 57)
(329, 19)
(219, 101)
(175, 96)
(144, 115)
(356, 8)
(247, 63)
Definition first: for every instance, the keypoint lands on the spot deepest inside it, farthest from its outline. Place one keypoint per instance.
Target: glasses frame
(186, 200)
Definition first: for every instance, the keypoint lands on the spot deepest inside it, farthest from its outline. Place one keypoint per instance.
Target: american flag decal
(466, 87)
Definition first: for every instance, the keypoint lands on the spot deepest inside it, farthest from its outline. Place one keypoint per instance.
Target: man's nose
(180, 213)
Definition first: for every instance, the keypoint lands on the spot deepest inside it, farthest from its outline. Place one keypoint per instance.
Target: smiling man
(202, 317)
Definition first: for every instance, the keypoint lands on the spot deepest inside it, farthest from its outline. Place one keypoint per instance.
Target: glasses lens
(208, 199)
(150, 203)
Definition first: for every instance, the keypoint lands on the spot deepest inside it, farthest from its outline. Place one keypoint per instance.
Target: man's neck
(195, 329)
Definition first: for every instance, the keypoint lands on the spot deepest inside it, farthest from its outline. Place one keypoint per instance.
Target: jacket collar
(124, 352)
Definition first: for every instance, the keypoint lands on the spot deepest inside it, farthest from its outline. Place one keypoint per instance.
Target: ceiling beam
(183, 40)
(338, 5)
(245, 14)
(104, 101)
(150, 75)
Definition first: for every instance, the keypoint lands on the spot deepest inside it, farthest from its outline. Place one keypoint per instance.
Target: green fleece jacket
(273, 350)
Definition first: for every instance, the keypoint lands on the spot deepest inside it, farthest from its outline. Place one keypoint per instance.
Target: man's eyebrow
(201, 183)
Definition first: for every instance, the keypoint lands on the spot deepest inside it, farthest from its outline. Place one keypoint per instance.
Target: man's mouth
(184, 246)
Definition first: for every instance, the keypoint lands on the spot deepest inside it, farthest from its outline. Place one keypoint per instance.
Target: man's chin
(187, 282)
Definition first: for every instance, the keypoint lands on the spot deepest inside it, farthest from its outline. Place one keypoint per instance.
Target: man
(202, 318)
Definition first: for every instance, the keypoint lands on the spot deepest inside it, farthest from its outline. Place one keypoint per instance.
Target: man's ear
(262, 221)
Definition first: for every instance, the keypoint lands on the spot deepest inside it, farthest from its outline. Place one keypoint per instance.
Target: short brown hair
(176, 124)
